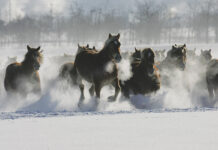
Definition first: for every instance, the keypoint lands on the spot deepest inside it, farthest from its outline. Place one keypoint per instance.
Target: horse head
(34, 57)
(148, 57)
(206, 55)
(178, 56)
(113, 46)
(137, 54)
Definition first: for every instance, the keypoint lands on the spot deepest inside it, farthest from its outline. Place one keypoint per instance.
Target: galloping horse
(176, 58)
(92, 66)
(145, 79)
(23, 77)
(212, 78)
(67, 68)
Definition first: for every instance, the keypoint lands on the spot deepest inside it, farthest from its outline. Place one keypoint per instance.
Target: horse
(23, 78)
(99, 68)
(132, 56)
(145, 79)
(82, 48)
(205, 57)
(212, 78)
(66, 68)
(175, 59)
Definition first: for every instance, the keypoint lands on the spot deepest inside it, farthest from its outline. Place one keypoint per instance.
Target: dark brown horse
(135, 56)
(176, 58)
(82, 48)
(92, 66)
(23, 77)
(212, 78)
(67, 68)
(145, 77)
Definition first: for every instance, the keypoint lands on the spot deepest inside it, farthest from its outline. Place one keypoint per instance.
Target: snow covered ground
(190, 130)
(174, 118)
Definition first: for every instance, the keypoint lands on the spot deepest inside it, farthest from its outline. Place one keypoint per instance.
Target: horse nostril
(36, 66)
(118, 58)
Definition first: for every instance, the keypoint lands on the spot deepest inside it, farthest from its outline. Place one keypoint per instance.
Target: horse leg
(36, 84)
(82, 97)
(116, 84)
(92, 90)
(215, 94)
(210, 89)
(97, 90)
(125, 91)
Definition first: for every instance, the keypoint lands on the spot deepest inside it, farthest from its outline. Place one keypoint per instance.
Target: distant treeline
(150, 22)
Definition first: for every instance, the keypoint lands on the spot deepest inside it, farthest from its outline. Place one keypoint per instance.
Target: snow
(196, 130)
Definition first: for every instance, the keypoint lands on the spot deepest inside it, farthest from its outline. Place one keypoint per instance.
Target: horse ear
(93, 47)
(28, 48)
(87, 46)
(136, 49)
(184, 45)
(173, 47)
(109, 36)
(78, 45)
(38, 48)
(118, 35)
(209, 50)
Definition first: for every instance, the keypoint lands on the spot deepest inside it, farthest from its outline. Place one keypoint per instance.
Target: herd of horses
(99, 68)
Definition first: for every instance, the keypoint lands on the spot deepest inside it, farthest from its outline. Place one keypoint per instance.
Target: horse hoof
(111, 99)
(80, 104)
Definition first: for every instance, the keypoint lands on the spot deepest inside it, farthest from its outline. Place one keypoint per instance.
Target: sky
(20, 8)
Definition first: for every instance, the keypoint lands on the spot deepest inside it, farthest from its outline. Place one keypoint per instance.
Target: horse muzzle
(182, 67)
(36, 66)
(118, 58)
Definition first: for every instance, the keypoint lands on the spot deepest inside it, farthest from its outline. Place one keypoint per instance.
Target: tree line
(150, 23)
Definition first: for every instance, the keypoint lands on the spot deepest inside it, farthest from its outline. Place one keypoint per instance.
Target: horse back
(91, 66)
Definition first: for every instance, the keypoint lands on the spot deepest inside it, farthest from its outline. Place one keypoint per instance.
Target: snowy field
(195, 130)
(173, 118)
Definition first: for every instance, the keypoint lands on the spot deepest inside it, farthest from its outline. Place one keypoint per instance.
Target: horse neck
(27, 67)
(144, 65)
(104, 54)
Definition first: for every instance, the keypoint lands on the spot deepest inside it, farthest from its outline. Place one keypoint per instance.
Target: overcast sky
(20, 8)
